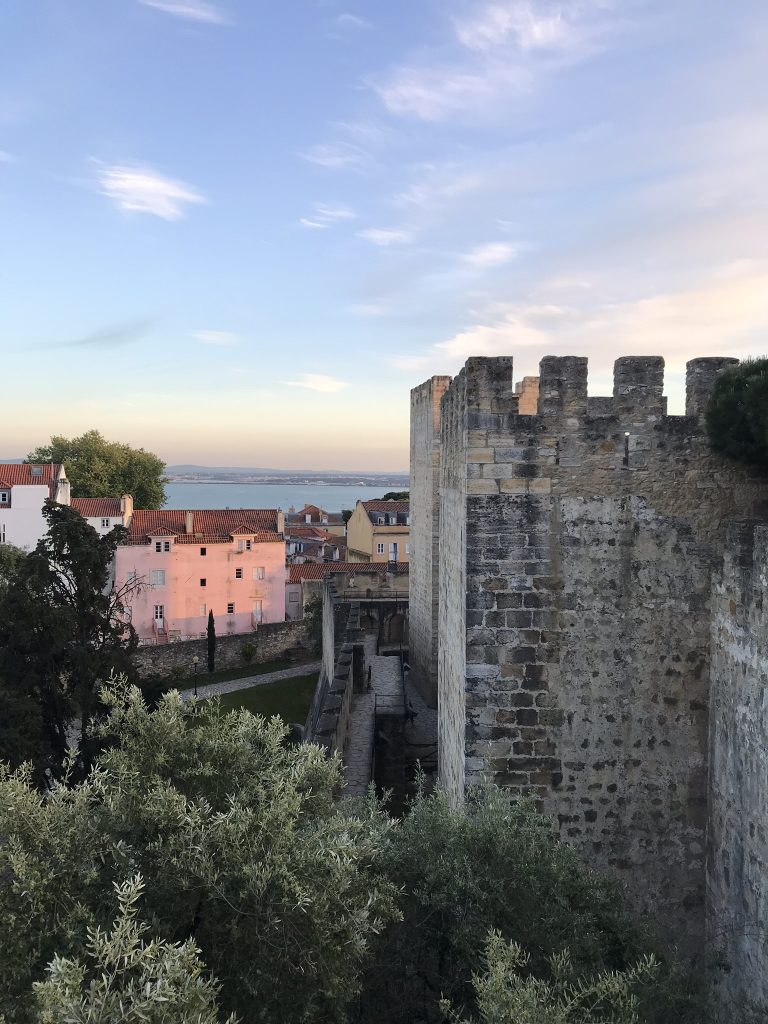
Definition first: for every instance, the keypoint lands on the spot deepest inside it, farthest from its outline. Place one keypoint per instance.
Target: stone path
(231, 685)
(385, 697)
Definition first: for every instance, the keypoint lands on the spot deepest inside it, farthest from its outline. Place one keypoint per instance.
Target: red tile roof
(310, 533)
(378, 505)
(319, 570)
(211, 526)
(15, 474)
(93, 508)
(334, 518)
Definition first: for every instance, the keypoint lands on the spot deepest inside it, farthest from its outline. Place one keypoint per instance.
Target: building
(24, 489)
(103, 514)
(305, 581)
(312, 515)
(312, 544)
(590, 588)
(379, 531)
(184, 564)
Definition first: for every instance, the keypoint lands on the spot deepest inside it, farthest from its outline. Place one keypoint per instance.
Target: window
(159, 613)
(105, 524)
(203, 610)
(239, 545)
(381, 520)
(2, 533)
(257, 614)
(379, 549)
(258, 572)
(4, 497)
(325, 520)
(167, 546)
(248, 545)
(157, 577)
(293, 598)
(202, 582)
(407, 549)
(36, 470)
(158, 545)
(238, 574)
(132, 577)
(308, 518)
(162, 545)
(203, 551)
(230, 608)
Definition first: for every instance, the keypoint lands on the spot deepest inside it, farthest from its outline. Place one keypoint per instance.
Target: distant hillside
(188, 469)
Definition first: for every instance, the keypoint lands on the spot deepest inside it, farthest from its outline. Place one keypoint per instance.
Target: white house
(104, 513)
(24, 488)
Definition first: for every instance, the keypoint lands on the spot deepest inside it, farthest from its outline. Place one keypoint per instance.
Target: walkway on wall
(231, 685)
(384, 698)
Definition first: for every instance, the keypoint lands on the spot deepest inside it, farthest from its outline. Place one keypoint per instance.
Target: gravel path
(231, 685)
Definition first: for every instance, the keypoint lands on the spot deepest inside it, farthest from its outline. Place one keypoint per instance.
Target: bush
(247, 652)
(737, 416)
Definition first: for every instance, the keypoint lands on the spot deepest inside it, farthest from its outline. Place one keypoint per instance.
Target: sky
(237, 232)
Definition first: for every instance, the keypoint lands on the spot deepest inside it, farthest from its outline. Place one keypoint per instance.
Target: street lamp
(195, 660)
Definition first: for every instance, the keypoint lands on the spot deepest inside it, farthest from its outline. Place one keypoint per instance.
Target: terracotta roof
(310, 533)
(319, 570)
(401, 507)
(96, 507)
(212, 526)
(334, 518)
(15, 474)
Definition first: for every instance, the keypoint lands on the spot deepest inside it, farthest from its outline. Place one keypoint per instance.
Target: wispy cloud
(491, 255)
(317, 382)
(336, 156)
(325, 215)
(107, 337)
(386, 236)
(144, 190)
(193, 10)
(504, 48)
(221, 338)
(347, 21)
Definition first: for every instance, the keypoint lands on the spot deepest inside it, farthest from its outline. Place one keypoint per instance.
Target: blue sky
(238, 232)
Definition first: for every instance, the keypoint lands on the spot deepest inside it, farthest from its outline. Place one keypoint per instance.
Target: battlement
(638, 399)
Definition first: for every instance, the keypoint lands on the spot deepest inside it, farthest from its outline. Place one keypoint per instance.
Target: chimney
(280, 521)
(126, 509)
(189, 526)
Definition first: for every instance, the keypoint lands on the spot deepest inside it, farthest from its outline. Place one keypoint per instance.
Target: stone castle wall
(576, 552)
(737, 862)
(425, 506)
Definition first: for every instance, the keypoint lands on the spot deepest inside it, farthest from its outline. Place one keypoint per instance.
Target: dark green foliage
(62, 632)
(346, 514)
(211, 635)
(10, 558)
(98, 468)
(313, 616)
(247, 652)
(737, 416)
(397, 496)
(496, 866)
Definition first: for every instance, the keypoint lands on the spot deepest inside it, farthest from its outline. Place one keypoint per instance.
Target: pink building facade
(184, 564)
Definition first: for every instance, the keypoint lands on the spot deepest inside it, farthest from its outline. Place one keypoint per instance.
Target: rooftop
(209, 526)
(19, 474)
(318, 571)
(93, 508)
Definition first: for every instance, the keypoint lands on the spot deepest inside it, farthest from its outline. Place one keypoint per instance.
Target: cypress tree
(211, 642)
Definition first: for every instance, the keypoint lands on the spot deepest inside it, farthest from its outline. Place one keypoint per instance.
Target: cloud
(193, 10)
(106, 337)
(386, 236)
(352, 21)
(491, 255)
(317, 382)
(504, 48)
(221, 338)
(336, 156)
(326, 215)
(146, 191)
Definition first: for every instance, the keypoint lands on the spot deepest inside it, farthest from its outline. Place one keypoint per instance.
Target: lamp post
(194, 662)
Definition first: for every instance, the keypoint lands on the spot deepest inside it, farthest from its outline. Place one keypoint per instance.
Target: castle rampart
(576, 549)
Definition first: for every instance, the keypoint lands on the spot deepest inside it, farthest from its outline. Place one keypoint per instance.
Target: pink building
(187, 563)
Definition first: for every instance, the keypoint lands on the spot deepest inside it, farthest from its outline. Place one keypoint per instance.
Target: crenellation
(576, 550)
(700, 377)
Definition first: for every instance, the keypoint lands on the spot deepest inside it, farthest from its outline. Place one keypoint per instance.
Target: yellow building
(379, 531)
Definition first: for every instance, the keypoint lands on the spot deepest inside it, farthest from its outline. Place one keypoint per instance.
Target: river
(330, 497)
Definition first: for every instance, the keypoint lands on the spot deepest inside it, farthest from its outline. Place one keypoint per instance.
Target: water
(330, 497)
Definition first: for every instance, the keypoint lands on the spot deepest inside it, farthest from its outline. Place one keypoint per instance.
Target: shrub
(247, 652)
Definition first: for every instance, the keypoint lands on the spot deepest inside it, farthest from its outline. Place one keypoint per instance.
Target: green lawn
(289, 698)
(240, 672)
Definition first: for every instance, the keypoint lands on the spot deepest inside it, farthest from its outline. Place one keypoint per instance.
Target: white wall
(23, 520)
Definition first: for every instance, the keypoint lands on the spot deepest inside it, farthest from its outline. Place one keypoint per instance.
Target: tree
(211, 633)
(10, 558)
(247, 853)
(98, 468)
(495, 865)
(128, 979)
(507, 994)
(396, 496)
(737, 415)
(63, 629)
